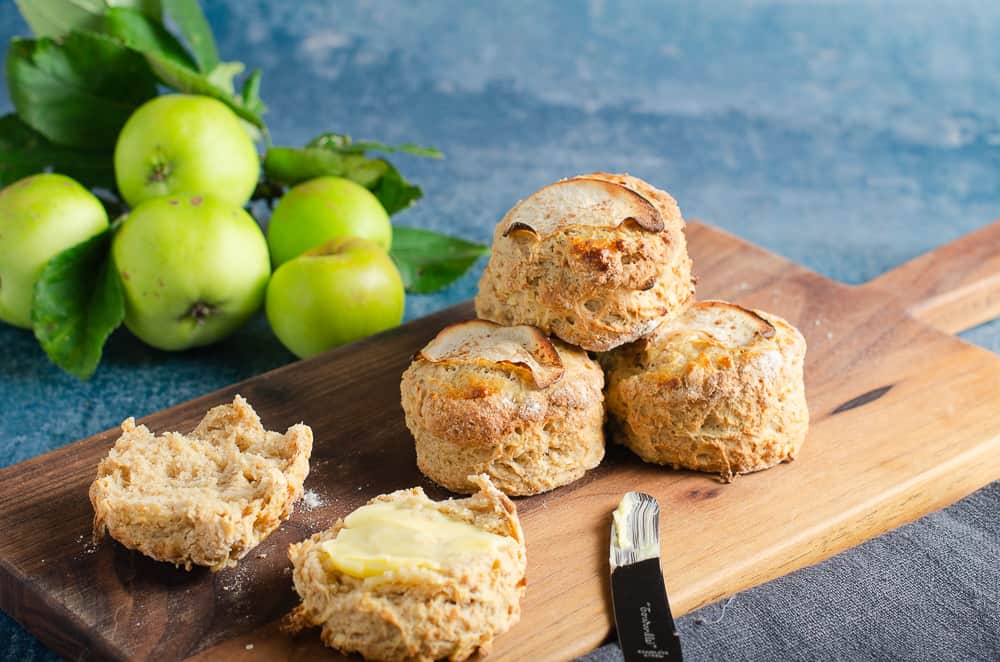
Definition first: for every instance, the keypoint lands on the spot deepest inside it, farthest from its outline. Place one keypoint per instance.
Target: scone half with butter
(205, 498)
(597, 260)
(508, 402)
(719, 388)
(408, 578)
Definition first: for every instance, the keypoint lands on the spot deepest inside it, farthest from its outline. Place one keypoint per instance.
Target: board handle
(952, 288)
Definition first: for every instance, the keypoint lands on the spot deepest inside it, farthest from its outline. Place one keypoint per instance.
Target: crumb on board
(249, 647)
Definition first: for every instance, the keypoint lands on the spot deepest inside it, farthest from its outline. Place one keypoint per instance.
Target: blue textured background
(846, 136)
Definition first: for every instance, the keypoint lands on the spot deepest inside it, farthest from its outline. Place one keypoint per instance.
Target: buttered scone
(407, 578)
(206, 498)
(718, 388)
(507, 402)
(597, 260)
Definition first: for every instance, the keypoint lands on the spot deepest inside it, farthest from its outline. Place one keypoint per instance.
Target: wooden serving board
(905, 420)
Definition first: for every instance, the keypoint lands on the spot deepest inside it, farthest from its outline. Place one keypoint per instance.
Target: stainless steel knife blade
(645, 625)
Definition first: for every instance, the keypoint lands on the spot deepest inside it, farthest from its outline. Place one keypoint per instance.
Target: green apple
(181, 143)
(40, 217)
(340, 291)
(322, 209)
(193, 268)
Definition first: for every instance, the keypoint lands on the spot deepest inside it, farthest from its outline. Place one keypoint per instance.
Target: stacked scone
(599, 263)
(718, 388)
(587, 263)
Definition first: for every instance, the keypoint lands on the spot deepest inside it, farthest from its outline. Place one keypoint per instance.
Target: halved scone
(719, 388)
(507, 402)
(206, 498)
(597, 260)
(408, 578)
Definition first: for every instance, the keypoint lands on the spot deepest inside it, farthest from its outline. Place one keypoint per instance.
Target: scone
(507, 402)
(407, 578)
(206, 498)
(597, 260)
(719, 388)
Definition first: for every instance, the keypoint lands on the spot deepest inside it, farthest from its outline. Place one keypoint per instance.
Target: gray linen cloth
(929, 590)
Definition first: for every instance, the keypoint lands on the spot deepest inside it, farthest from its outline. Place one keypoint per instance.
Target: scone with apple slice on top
(719, 388)
(508, 402)
(597, 260)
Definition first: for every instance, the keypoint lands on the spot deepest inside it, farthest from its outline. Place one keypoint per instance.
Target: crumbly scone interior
(228, 470)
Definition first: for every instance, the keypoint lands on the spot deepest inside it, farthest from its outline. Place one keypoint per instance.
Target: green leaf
(194, 26)
(24, 151)
(77, 303)
(394, 192)
(185, 80)
(80, 92)
(141, 33)
(54, 18)
(224, 74)
(428, 261)
(176, 68)
(151, 8)
(292, 165)
(340, 142)
(251, 93)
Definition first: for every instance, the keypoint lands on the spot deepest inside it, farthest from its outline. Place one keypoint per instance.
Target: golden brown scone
(418, 613)
(718, 388)
(507, 402)
(597, 260)
(206, 498)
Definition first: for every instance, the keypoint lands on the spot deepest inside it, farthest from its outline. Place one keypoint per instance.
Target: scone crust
(689, 400)
(206, 498)
(489, 419)
(594, 287)
(419, 614)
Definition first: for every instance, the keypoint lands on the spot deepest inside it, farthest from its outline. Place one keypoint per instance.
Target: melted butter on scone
(383, 537)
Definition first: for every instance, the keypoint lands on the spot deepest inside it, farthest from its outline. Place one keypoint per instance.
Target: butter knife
(642, 613)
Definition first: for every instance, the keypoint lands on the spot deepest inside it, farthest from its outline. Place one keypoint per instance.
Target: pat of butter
(621, 517)
(384, 537)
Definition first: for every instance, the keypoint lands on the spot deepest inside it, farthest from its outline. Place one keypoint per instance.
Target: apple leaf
(24, 151)
(184, 79)
(78, 92)
(428, 261)
(394, 192)
(175, 67)
(291, 165)
(194, 26)
(343, 143)
(251, 93)
(77, 303)
(224, 74)
(141, 33)
(54, 18)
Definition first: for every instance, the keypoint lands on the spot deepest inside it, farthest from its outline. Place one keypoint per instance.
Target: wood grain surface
(904, 421)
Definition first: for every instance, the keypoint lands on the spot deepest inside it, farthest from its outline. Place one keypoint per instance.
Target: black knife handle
(642, 614)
